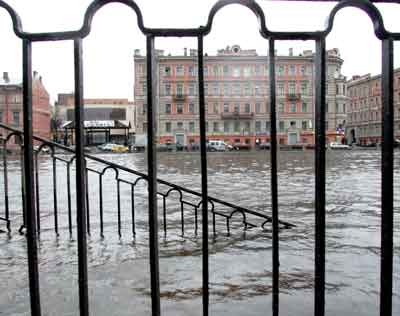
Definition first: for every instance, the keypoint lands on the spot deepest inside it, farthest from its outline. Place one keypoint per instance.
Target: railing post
(30, 211)
(204, 189)
(320, 88)
(152, 173)
(387, 180)
(274, 182)
(80, 181)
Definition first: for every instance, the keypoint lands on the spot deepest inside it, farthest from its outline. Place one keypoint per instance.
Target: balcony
(237, 116)
(179, 97)
(293, 96)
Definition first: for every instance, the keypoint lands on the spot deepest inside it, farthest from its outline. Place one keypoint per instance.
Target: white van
(216, 145)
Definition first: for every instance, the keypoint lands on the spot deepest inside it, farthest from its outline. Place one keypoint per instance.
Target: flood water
(240, 264)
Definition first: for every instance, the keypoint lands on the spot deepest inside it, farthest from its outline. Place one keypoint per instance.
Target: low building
(11, 105)
(237, 97)
(105, 120)
(364, 110)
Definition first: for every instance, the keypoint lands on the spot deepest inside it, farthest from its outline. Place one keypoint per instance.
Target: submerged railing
(188, 200)
(319, 37)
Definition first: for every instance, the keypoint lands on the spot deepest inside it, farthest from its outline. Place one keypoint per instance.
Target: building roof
(12, 81)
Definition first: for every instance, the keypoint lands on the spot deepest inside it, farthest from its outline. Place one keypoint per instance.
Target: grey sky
(108, 50)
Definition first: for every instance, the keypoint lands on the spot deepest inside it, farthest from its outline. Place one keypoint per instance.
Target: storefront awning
(116, 124)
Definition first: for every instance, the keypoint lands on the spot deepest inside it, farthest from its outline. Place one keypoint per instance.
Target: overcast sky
(108, 50)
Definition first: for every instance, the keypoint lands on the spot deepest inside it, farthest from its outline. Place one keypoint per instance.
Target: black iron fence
(319, 37)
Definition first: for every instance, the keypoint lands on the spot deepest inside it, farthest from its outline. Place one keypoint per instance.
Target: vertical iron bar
(6, 199)
(55, 194)
(37, 196)
(152, 174)
(31, 233)
(87, 199)
(80, 180)
(274, 182)
(320, 88)
(204, 192)
(133, 209)
(164, 216)
(23, 191)
(182, 220)
(119, 207)
(69, 198)
(387, 180)
(101, 204)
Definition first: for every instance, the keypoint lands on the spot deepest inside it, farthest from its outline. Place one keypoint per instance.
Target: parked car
(216, 145)
(107, 147)
(339, 146)
(165, 147)
(241, 146)
(265, 146)
(120, 149)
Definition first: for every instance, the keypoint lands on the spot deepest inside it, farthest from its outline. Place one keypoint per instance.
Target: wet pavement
(240, 264)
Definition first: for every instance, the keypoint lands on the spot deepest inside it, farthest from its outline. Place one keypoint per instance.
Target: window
(226, 107)
(247, 71)
(258, 126)
(304, 88)
(281, 88)
(257, 70)
(216, 127)
(191, 127)
(215, 71)
(179, 125)
(144, 109)
(226, 127)
(179, 89)
(168, 108)
(292, 88)
(226, 89)
(205, 69)
(144, 127)
(293, 107)
(167, 71)
(247, 88)
(247, 108)
(179, 108)
(281, 126)
(247, 126)
(226, 70)
(207, 127)
(237, 126)
(293, 124)
(267, 126)
(1, 117)
(215, 107)
(236, 71)
(304, 124)
(205, 88)
(292, 70)
(281, 107)
(167, 89)
(16, 118)
(303, 70)
(144, 88)
(192, 89)
(258, 107)
(304, 107)
(168, 127)
(191, 108)
(337, 107)
(179, 70)
(215, 89)
(191, 71)
(236, 89)
(236, 108)
(281, 70)
(257, 90)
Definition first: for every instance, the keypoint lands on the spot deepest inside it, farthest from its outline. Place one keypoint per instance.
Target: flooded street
(240, 264)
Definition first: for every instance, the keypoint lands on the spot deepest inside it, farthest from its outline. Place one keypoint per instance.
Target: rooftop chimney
(185, 51)
(5, 77)
(291, 51)
(35, 73)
